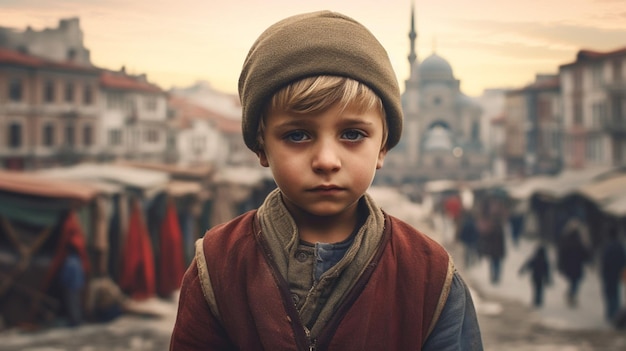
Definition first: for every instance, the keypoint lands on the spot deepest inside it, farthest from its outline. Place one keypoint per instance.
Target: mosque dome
(435, 67)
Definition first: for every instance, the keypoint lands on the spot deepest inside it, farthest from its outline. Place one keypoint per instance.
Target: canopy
(604, 190)
(199, 172)
(568, 181)
(148, 182)
(524, 189)
(616, 207)
(38, 185)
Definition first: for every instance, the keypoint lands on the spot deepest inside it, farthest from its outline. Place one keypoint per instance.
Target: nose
(326, 157)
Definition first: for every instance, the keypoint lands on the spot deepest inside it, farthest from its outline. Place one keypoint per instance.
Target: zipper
(312, 342)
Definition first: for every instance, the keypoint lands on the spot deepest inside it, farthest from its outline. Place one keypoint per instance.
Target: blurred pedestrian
(516, 219)
(491, 237)
(572, 256)
(612, 264)
(539, 268)
(468, 236)
(451, 213)
(72, 279)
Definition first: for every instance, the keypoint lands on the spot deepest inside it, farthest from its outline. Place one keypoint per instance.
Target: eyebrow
(305, 122)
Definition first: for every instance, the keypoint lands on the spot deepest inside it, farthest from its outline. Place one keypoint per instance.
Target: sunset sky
(489, 43)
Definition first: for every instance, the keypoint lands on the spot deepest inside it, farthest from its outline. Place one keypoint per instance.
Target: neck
(325, 229)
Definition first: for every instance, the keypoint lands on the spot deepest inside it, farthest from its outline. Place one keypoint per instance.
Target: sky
(488, 43)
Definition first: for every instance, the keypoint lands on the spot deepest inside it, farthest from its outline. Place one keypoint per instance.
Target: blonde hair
(317, 94)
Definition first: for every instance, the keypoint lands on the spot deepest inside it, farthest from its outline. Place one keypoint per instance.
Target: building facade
(228, 108)
(594, 109)
(533, 128)
(63, 43)
(48, 111)
(134, 117)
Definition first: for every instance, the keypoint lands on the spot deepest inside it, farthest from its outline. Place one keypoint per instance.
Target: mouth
(326, 188)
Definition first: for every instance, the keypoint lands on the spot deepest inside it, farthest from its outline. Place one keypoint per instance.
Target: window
(87, 135)
(150, 103)
(617, 71)
(171, 141)
(69, 135)
(48, 135)
(475, 131)
(578, 78)
(71, 54)
(69, 92)
(115, 137)
(598, 114)
(87, 95)
(596, 75)
(48, 91)
(15, 89)
(114, 100)
(578, 113)
(15, 135)
(151, 135)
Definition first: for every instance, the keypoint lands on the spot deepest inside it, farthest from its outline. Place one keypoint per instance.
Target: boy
(319, 266)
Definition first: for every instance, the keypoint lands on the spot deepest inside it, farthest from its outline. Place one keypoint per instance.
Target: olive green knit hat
(313, 44)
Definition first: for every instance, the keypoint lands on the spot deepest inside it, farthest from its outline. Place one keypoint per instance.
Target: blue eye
(296, 136)
(353, 135)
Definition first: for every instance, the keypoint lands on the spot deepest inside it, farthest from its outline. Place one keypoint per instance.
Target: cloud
(528, 39)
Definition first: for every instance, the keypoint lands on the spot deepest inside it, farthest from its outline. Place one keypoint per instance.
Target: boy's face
(323, 163)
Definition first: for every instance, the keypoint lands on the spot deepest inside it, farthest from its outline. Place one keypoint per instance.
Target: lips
(326, 188)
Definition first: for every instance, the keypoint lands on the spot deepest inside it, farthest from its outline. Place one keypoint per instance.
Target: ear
(381, 158)
(262, 158)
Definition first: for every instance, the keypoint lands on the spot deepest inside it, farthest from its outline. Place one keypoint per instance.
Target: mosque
(441, 134)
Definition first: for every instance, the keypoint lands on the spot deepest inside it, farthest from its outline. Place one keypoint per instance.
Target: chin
(324, 210)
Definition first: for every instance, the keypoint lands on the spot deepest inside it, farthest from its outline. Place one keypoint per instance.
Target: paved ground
(518, 327)
(507, 322)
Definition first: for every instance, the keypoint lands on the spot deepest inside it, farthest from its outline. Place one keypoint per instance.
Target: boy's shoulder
(244, 223)
(399, 226)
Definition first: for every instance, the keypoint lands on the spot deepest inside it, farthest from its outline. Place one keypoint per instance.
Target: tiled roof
(590, 54)
(585, 55)
(12, 57)
(113, 80)
(188, 111)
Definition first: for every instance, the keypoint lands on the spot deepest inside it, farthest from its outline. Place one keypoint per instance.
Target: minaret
(411, 102)
(412, 38)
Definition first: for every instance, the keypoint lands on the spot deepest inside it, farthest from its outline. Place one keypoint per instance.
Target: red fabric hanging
(138, 272)
(71, 236)
(171, 260)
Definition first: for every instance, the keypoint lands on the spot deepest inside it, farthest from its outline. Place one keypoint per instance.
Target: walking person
(539, 268)
(572, 256)
(452, 210)
(491, 238)
(612, 264)
(468, 236)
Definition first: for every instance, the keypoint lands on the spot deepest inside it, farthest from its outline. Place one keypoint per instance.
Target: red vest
(391, 307)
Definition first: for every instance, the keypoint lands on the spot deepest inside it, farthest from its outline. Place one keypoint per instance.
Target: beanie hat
(314, 44)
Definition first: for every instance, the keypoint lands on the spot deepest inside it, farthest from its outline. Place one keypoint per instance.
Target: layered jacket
(386, 293)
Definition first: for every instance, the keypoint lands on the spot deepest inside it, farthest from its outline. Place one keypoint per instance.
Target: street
(507, 321)
(506, 324)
